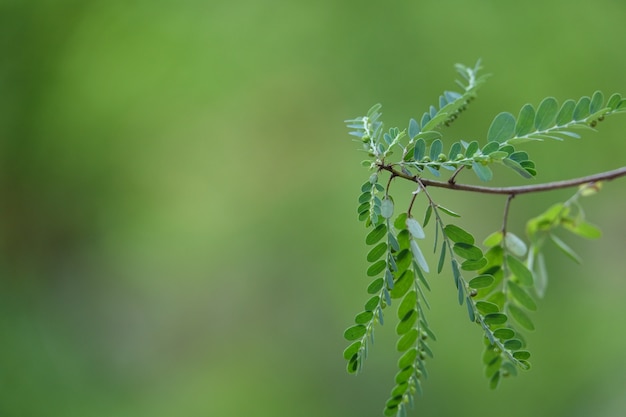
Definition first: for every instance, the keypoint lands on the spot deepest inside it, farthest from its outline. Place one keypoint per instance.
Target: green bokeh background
(177, 203)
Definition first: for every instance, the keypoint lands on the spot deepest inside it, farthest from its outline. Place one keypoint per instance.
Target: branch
(523, 189)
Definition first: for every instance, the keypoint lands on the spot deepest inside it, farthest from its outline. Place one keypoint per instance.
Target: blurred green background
(178, 203)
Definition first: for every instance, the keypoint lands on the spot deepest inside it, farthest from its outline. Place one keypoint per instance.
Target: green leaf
(372, 303)
(515, 166)
(513, 344)
(485, 307)
(376, 234)
(565, 248)
(408, 358)
(472, 148)
(546, 113)
(520, 317)
(515, 245)
(495, 318)
(467, 251)
(414, 128)
(386, 208)
(584, 229)
(448, 211)
(406, 323)
(355, 332)
(597, 99)
(483, 172)
(429, 211)
(420, 150)
(566, 113)
(435, 149)
(521, 355)
(490, 148)
(364, 317)
(523, 274)
(408, 304)
(403, 284)
(351, 350)
(522, 296)
(582, 108)
(407, 340)
(504, 333)
(474, 265)
(442, 257)
(493, 239)
(502, 128)
(418, 256)
(458, 235)
(376, 285)
(376, 268)
(614, 100)
(415, 228)
(481, 281)
(377, 251)
(525, 120)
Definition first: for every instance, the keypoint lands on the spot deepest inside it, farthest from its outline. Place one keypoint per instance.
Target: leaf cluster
(500, 281)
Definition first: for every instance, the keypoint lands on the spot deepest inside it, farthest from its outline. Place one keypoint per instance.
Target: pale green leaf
(418, 256)
(502, 128)
(415, 228)
(515, 245)
(525, 120)
(546, 113)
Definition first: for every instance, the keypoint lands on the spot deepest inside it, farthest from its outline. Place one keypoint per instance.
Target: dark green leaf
(458, 235)
(502, 128)
(376, 286)
(521, 355)
(525, 120)
(353, 365)
(483, 172)
(376, 252)
(522, 296)
(407, 340)
(429, 211)
(376, 234)
(470, 309)
(400, 221)
(376, 268)
(523, 274)
(467, 251)
(513, 344)
(474, 265)
(495, 380)
(365, 197)
(442, 257)
(481, 281)
(504, 333)
(546, 113)
(495, 318)
(355, 332)
(520, 317)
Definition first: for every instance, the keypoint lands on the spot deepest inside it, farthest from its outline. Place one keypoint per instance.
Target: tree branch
(523, 189)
